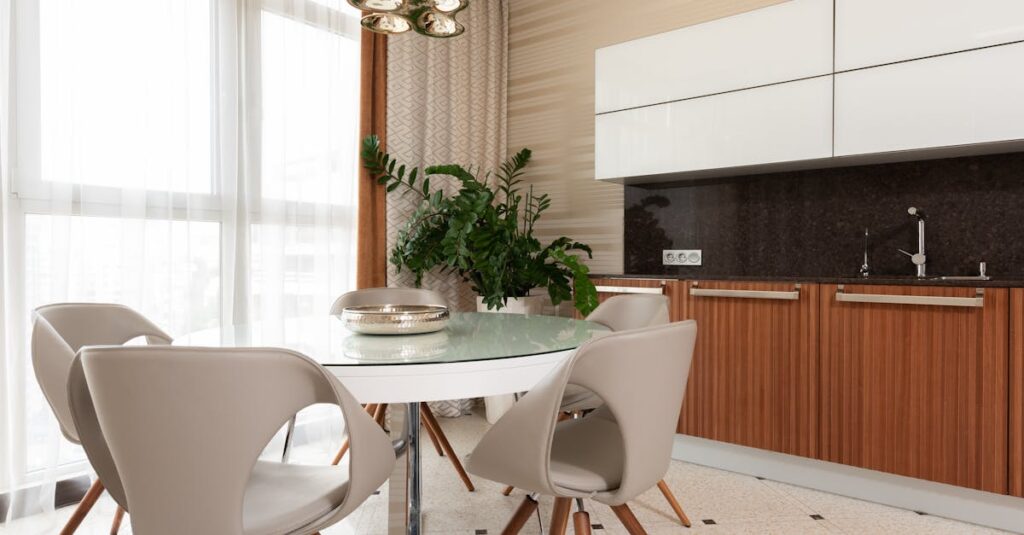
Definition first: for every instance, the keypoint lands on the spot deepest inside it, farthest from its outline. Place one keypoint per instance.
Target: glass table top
(469, 336)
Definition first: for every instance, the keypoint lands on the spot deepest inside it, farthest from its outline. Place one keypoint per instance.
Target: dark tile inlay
(709, 522)
(597, 526)
(376, 492)
(481, 532)
(817, 517)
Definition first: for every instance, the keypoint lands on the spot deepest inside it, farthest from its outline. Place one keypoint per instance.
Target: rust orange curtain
(371, 245)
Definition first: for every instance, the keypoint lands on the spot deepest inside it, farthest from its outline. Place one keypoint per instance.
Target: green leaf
(586, 292)
(456, 171)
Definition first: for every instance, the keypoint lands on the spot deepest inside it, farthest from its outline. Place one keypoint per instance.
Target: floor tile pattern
(718, 502)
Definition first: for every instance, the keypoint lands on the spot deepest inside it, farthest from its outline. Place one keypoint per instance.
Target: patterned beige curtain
(447, 104)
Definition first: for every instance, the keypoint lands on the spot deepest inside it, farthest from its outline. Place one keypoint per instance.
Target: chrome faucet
(919, 259)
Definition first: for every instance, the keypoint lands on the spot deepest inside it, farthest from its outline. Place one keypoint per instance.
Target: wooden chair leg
(83, 508)
(522, 514)
(581, 523)
(446, 446)
(508, 490)
(628, 519)
(380, 413)
(115, 526)
(560, 516)
(341, 453)
(665, 491)
(432, 433)
(370, 408)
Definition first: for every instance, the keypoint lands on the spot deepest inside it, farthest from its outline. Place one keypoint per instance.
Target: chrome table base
(405, 486)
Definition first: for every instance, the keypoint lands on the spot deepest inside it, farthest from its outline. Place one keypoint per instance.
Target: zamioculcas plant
(484, 232)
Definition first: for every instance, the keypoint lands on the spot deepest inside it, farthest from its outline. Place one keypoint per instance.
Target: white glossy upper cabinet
(777, 123)
(875, 32)
(958, 99)
(788, 41)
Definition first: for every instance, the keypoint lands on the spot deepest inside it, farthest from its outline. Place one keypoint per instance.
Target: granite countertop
(995, 282)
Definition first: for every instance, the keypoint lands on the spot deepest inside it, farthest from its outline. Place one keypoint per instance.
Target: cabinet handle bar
(629, 290)
(745, 294)
(925, 300)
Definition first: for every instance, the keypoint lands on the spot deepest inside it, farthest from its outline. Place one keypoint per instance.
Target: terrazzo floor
(716, 501)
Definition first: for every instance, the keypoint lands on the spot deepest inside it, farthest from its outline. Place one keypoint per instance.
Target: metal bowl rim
(395, 309)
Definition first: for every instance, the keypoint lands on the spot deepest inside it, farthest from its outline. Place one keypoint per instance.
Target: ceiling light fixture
(433, 18)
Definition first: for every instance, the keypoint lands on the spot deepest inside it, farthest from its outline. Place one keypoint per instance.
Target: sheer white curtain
(194, 159)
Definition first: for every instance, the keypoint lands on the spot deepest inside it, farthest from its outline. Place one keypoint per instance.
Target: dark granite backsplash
(811, 223)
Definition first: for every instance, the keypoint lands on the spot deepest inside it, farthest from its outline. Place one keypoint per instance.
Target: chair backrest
(186, 425)
(631, 311)
(60, 330)
(387, 296)
(642, 394)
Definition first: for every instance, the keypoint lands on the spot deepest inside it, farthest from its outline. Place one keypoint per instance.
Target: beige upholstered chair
(618, 313)
(403, 296)
(59, 331)
(612, 454)
(622, 313)
(387, 296)
(184, 428)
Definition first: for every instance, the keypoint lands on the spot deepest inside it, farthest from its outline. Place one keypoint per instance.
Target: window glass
(125, 93)
(310, 94)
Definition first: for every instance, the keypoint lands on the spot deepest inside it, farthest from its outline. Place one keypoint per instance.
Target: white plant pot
(529, 305)
(496, 406)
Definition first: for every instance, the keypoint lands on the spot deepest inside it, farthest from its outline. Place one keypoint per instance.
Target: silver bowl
(395, 319)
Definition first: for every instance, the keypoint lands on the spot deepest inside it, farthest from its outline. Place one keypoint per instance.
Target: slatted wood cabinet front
(917, 389)
(754, 375)
(875, 376)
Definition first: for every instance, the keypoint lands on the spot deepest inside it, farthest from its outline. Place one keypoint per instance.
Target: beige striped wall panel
(551, 101)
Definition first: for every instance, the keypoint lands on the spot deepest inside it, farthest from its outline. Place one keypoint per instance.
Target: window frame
(31, 195)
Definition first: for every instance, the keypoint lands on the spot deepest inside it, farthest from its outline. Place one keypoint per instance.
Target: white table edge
(410, 383)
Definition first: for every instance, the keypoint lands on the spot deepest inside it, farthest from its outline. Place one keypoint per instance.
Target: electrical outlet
(681, 257)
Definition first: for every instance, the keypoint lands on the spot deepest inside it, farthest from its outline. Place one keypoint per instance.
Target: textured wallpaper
(551, 101)
(447, 104)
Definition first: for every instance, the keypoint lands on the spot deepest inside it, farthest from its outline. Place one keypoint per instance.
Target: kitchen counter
(995, 282)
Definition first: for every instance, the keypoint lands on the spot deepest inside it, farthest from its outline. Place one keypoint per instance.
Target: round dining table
(475, 355)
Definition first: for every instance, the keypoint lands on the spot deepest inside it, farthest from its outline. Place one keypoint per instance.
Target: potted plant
(484, 232)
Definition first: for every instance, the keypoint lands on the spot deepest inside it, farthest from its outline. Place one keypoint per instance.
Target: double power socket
(681, 257)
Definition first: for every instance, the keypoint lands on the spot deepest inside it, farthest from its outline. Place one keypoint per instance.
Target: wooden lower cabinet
(754, 377)
(919, 389)
(1016, 382)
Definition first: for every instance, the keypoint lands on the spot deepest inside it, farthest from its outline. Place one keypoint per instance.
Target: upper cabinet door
(957, 99)
(765, 125)
(875, 32)
(780, 43)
